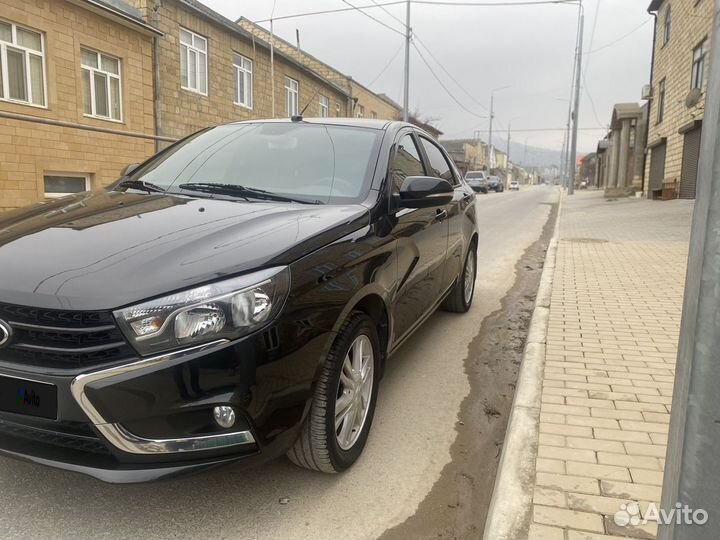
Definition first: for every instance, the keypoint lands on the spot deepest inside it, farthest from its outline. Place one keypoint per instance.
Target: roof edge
(106, 10)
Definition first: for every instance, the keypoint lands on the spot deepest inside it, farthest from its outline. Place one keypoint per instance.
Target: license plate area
(29, 398)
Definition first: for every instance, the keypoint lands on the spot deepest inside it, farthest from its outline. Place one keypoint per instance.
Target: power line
(427, 49)
(326, 11)
(442, 84)
(360, 10)
(620, 38)
(383, 70)
(377, 5)
(587, 65)
(381, 6)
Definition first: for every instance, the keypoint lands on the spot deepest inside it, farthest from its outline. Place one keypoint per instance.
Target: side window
(439, 166)
(406, 162)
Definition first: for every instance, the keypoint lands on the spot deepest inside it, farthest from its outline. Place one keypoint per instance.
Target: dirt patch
(457, 505)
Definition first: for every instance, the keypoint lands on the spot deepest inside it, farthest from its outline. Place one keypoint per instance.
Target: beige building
(76, 99)
(679, 80)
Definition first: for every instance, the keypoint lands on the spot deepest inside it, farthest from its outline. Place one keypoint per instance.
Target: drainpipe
(652, 86)
(157, 95)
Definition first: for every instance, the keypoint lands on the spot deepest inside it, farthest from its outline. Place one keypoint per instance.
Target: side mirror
(425, 192)
(129, 169)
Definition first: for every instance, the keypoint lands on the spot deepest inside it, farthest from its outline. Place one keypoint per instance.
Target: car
(495, 184)
(234, 298)
(477, 180)
(514, 185)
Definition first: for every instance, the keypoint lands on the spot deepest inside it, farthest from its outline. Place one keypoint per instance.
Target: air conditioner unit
(646, 92)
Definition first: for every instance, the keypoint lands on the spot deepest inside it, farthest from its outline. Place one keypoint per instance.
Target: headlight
(227, 309)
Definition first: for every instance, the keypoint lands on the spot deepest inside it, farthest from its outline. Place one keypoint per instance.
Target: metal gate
(691, 157)
(657, 166)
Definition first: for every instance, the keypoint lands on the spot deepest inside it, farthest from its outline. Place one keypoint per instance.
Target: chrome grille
(62, 339)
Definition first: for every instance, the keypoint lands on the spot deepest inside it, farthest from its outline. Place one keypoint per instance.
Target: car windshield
(471, 175)
(329, 164)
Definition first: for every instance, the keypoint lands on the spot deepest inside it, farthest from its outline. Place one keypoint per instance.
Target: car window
(406, 162)
(438, 164)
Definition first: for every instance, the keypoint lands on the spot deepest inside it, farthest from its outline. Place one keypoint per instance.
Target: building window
(324, 107)
(373, 114)
(360, 112)
(101, 85)
(243, 81)
(667, 27)
(661, 101)
(22, 65)
(193, 62)
(291, 96)
(61, 184)
(698, 66)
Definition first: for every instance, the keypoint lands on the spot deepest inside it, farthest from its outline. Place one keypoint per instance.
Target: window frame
(373, 115)
(185, 49)
(667, 26)
(696, 63)
(52, 195)
(4, 75)
(662, 95)
(292, 95)
(421, 153)
(108, 75)
(360, 111)
(455, 182)
(324, 105)
(249, 84)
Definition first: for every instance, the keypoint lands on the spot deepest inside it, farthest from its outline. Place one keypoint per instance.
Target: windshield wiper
(244, 192)
(142, 185)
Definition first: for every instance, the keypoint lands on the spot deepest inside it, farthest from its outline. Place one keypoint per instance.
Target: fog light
(224, 416)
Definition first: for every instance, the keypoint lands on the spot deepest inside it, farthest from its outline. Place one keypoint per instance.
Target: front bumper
(151, 418)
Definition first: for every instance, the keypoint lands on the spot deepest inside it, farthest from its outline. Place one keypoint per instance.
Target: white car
(514, 185)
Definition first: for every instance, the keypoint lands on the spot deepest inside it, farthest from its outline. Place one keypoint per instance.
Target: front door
(422, 236)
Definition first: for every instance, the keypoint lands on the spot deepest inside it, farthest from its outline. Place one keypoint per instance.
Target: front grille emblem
(5, 333)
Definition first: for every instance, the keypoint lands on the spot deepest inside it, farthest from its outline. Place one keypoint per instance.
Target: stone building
(212, 70)
(679, 80)
(76, 102)
(468, 154)
(622, 158)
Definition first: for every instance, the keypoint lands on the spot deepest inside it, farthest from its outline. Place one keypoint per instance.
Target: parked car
(234, 298)
(514, 185)
(495, 184)
(477, 180)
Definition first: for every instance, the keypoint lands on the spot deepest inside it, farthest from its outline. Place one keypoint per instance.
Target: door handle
(441, 215)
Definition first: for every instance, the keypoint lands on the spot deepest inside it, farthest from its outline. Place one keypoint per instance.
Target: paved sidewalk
(610, 355)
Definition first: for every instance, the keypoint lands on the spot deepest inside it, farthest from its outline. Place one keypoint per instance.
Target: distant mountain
(533, 157)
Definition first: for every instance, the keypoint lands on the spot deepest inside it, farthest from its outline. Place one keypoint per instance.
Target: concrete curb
(510, 512)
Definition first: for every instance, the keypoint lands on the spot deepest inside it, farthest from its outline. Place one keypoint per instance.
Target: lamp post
(492, 116)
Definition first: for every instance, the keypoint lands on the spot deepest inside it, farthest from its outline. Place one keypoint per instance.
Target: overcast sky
(529, 49)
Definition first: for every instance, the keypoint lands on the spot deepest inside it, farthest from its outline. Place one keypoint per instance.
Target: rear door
(440, 166)
(421, 235)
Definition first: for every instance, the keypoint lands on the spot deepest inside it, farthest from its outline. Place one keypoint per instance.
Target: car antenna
(299, 117)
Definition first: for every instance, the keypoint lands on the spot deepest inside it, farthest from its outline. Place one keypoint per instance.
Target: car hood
(103, 250)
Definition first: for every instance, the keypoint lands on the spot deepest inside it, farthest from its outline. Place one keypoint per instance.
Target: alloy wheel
(354, 392)
(469, 277)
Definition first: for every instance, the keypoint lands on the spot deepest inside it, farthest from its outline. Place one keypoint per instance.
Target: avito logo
(27, 398)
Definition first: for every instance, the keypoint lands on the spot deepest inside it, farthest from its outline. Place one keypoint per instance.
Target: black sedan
(234, 298)
(495, 184)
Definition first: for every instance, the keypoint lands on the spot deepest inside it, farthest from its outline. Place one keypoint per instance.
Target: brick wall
(29, 149)
(372, 103)
(184, 111)
(691, 23)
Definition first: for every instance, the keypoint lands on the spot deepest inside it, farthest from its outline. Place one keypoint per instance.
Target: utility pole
(508, 141)
(492, 115)
(406, 92)
(576, 112)
(272, 68)
(692, 470)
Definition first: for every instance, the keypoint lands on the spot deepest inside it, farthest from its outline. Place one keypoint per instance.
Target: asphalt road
(413, 430)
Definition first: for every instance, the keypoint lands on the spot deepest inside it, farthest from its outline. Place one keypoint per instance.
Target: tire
(318, 447)
(457, 301)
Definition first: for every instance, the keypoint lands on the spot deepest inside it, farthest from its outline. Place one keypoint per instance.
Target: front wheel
(461, 296)
(337, 427)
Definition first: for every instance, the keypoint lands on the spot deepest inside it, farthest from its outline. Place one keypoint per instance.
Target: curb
(510, 512)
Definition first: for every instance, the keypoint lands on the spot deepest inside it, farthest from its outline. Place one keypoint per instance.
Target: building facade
(679, 81)
(76, 97)
(621, 155)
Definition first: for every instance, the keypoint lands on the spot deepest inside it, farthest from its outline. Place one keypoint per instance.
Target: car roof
(369, 123)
